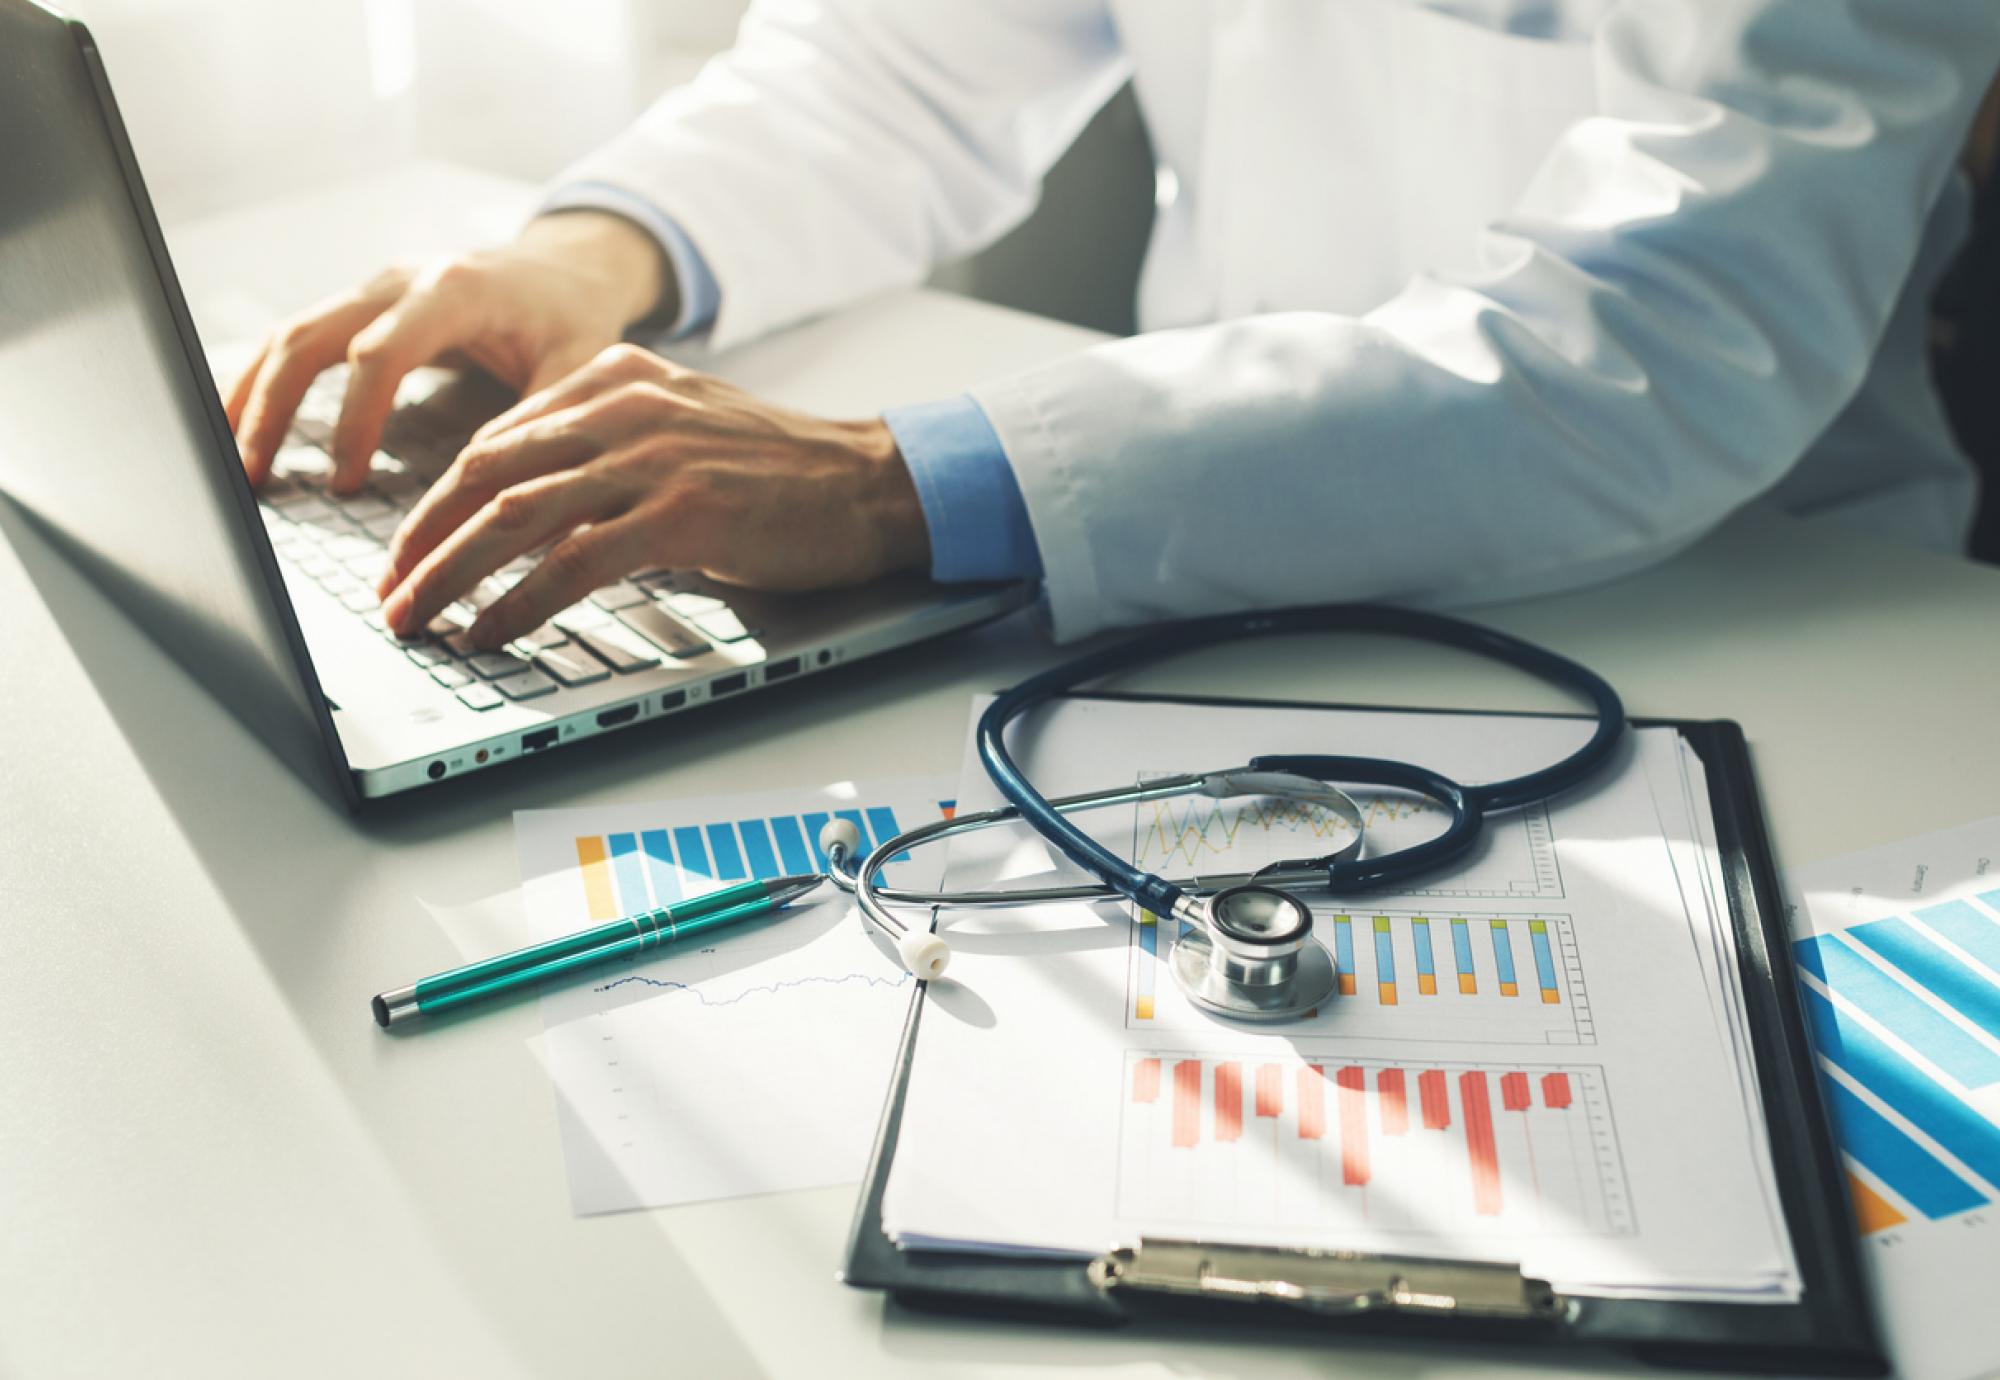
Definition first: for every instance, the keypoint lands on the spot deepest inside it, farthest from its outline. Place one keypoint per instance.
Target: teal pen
(624, 938)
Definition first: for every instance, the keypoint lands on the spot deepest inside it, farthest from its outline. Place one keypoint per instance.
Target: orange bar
(1228, 1102)
(1146, 1080)
(1555, 1091)
(1479, 1145)
(1312, 1102)
(1187, 1102)
(1550, 996)
(1391, 1097)
(1468, 984)
(597, 892)
(1508, 989)
(1347, 984)
(1427, 984)
(1431, 1096)
(1270, 1090)
(1871, 1209)
(1353, 1125)
(1514, 1091)
(1385, 992)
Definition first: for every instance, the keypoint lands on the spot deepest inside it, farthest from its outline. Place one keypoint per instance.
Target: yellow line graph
(1188, 828)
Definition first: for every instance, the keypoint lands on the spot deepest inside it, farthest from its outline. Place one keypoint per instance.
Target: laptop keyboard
(340, 544)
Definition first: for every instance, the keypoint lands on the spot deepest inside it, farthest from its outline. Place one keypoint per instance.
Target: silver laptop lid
(111, 431)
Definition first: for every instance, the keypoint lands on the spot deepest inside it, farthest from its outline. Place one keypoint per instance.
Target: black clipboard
(1831, 1330)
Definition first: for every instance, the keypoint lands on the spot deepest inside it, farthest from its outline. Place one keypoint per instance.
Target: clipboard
(1830, 1330)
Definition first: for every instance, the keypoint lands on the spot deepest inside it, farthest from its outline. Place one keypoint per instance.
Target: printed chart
(750, 1060)
(1460, 1149)
(1407, 976)
(1906, 1016)
(1515, 856)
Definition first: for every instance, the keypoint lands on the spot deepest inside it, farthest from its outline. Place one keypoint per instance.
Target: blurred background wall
(234, 101)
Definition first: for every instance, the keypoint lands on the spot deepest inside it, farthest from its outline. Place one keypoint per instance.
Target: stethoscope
(1248, 952)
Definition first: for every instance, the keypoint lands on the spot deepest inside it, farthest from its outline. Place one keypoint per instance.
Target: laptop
(113, 438)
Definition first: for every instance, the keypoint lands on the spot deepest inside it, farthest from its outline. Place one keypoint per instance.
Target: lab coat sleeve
(1688, 291)
(843, 147)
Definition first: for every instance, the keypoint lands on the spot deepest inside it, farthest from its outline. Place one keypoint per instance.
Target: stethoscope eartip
(842, 835)
(924, 955)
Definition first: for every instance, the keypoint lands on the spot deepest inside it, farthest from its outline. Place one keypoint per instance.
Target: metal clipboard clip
(1334, 1283)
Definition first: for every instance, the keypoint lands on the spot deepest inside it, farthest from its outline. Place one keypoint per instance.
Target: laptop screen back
(111, 432)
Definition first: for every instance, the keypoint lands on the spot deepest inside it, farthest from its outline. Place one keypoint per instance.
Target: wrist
(615, 254)
(896, 513)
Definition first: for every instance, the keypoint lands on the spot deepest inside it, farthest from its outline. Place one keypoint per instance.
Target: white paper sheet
(752, 1061)
(1899, 953)
(1586, 1118)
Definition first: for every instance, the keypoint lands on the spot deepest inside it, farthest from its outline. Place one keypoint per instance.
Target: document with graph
(752, 1061)
(1898, 953)
(1536, 1057)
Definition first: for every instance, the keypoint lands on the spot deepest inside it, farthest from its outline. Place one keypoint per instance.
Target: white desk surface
(212, 1162)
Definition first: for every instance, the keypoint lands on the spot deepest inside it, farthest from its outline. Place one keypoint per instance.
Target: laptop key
(722, 625)
(581, 617)
(693, 605)
(571, 665)
(450, 675)
(619, 596)
(383, 527)
(548, 635)
(362, 508)
(496, 665)
(428, 654)
(528, 686)
(359, 600)
(478, 696)
(664, 631)
(368, 569)
(616, 648)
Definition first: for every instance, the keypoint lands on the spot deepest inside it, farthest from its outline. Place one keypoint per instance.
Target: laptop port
(779, 670)
(624, 714)
(727, 685)
(539, 739)
(673, 699)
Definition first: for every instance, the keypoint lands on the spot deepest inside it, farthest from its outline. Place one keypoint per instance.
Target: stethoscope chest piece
(1250, 955)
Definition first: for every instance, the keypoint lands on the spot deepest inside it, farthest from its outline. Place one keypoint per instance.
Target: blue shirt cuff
(701, 295)
(972, 503)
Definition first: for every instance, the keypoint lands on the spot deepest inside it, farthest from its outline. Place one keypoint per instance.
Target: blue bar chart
(622, 873)
(1521, 980)
(1905, 1011)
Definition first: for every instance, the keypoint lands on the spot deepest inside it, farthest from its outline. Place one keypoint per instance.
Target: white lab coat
(1457, 299)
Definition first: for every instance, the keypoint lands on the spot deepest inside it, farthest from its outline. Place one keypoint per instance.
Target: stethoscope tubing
(1468, 805)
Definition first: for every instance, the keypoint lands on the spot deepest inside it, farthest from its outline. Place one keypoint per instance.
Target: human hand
(528, 313)
(634, 462)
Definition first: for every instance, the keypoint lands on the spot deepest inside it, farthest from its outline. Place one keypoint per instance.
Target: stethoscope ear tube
(1467, 805)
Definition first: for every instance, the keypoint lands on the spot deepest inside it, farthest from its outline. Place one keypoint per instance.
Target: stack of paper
(1538, 1056)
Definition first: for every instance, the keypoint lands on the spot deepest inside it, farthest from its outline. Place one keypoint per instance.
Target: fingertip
(396, 613)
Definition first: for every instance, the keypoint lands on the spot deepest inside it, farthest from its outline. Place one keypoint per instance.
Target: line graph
(1468, 1149)
(1515, 856)
(764, 989)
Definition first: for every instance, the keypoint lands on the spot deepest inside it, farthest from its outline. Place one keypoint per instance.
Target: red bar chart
(1484, 1149)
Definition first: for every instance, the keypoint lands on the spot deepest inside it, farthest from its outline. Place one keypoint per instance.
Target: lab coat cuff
(700, 294)
(1055, 493)
(972, 504)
